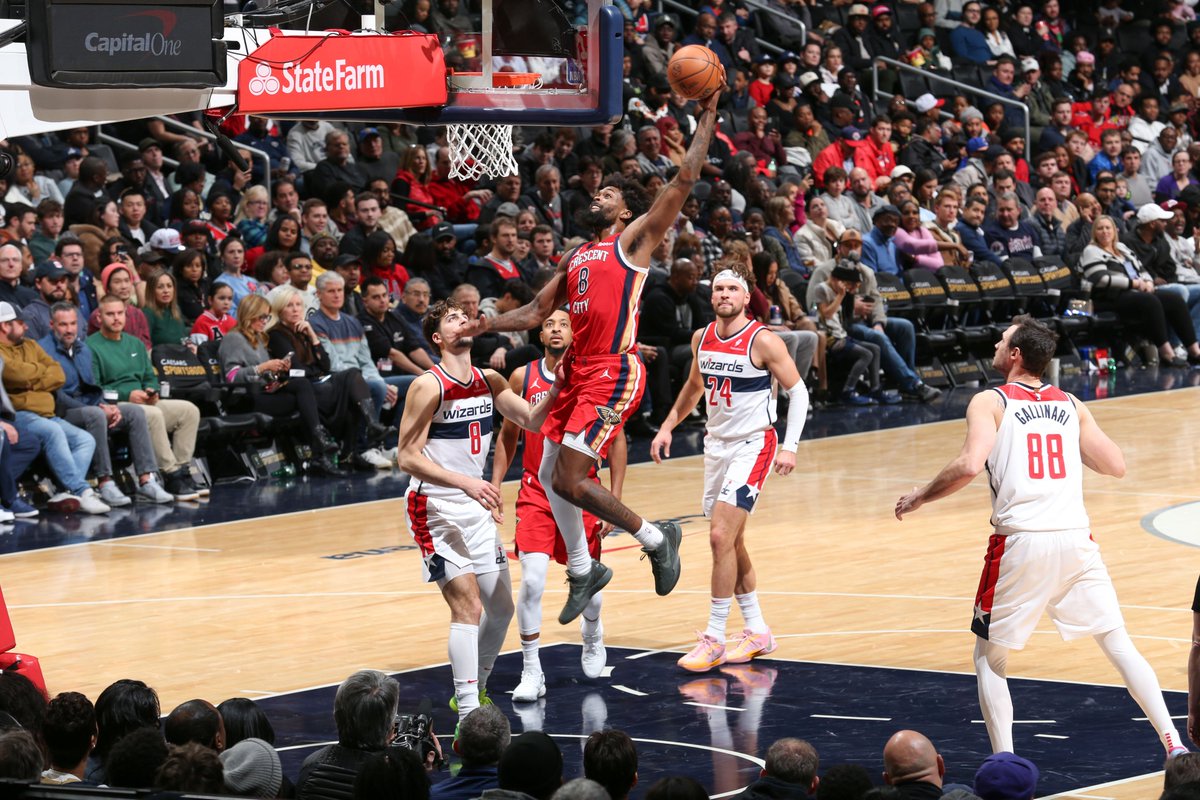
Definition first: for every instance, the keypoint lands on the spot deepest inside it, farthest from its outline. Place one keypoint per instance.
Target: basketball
(695, 72)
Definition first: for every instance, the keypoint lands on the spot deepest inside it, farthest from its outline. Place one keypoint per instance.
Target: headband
(730, 275)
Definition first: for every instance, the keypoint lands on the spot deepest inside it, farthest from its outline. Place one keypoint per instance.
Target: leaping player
(444, 438)
(538, 538)
(1034, 440)
(601, 283)
(734, 360)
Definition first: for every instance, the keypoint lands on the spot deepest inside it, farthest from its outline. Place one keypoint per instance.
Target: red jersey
(538, 380)
(604, 299)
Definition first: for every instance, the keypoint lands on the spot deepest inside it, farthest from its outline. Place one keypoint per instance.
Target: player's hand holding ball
(696, 73)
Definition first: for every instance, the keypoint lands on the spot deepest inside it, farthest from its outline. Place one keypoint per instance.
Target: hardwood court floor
(292, 601)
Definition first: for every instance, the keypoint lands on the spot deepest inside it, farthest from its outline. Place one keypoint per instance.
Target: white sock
(464, 665)
(529, 598)
(751, 612)
(495, 594)
(530, 662)
(649, 536)
(590, 625)
(718, 613)
(995, 702)
(1142, 684)
(568, 517)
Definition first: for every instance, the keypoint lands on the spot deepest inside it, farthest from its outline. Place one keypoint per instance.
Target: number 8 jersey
(737, 392)
(1035, 469)
(461, 431)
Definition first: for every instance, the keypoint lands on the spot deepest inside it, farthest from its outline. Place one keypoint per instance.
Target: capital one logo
(263, 81)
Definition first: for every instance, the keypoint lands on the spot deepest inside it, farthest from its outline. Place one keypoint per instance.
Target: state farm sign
(295, 74)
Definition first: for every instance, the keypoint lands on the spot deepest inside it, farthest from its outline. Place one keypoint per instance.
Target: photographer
(364, 710)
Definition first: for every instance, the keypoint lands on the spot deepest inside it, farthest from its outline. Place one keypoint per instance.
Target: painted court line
(627, 690)
(112, 543)
(1049, 736)
(1023, 722)
(839, 716)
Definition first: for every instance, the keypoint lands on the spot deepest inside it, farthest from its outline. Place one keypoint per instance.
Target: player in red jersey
(537, 536)
(444, 441)
(601, 284)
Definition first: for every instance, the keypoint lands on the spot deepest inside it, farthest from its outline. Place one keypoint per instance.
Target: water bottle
(775, 316)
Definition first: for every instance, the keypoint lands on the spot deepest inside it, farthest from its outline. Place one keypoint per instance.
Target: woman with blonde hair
(343, 399)
(412, 181)
(1120, 284)
(246, 361)
(781, 215)
(250, 219)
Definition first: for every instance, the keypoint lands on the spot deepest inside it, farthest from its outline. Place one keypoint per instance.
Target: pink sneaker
(707, 653)
(751, 645)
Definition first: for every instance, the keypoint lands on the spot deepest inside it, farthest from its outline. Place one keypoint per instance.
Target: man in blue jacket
(82, 403)
(483, 736)
(968, 227)
(968, 43)
(879, 250)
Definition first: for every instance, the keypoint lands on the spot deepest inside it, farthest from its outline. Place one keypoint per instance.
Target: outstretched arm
(419, 407)
(689, 395)
(983, 419)
(514, 407)
(644, 233)
(1099, 452)
(530, 315)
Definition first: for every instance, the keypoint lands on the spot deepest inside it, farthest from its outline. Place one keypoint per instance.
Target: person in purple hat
(1006, 776)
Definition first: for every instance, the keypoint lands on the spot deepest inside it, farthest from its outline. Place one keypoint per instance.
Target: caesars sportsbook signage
(296, 74)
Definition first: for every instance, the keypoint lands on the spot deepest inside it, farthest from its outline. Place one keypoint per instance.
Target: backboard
(534, 62)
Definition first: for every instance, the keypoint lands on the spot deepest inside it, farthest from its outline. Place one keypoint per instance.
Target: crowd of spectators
(229, 749)
(816, 185)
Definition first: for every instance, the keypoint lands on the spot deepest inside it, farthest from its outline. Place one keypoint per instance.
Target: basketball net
(478, 150)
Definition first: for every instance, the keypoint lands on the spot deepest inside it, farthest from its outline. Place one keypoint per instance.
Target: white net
(478, 150)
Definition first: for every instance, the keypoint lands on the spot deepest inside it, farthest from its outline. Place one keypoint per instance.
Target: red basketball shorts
(599, 393)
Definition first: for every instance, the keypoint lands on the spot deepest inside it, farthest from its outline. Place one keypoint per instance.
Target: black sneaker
(581, 589)
(179, 484)
(922, 392)
(664, 561)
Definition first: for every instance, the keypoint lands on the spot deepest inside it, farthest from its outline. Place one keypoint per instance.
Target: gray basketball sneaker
(580, 590)
(665, 560)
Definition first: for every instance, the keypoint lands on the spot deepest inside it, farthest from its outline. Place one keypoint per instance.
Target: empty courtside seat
(970, 322)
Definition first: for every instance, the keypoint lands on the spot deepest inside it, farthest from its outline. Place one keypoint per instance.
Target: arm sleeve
(797, 414)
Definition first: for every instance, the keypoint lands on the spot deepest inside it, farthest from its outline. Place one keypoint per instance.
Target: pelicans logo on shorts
(608, 415)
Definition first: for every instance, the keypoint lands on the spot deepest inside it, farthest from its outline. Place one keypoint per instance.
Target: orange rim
(505, 79)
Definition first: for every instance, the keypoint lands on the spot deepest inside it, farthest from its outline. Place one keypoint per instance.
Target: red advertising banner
(339, 71)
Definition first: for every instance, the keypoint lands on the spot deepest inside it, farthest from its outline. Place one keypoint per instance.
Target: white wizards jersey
(1035, 468)
(461, 431)
(737, 393)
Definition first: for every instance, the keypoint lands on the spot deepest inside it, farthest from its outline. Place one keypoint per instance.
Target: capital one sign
(296, 74)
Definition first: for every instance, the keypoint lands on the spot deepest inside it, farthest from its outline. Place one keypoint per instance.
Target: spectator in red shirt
(875, 155)
(764, 144)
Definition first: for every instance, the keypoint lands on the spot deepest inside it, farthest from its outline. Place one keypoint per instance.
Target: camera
(415, 732)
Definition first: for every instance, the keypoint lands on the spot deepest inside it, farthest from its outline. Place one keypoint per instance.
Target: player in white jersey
(1034, 441)
(444, 439)
(734, 360)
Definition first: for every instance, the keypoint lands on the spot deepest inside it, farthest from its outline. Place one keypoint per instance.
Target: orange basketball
(695, 71)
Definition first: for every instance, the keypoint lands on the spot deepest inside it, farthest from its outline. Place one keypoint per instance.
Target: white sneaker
(150, 490)
(6, 516)
(376, 458)
(594, 657)
(110, 493)
(90, 503)
(391, 453)
(531, 687)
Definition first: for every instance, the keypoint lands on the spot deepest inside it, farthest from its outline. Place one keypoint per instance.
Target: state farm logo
(299, 79)
(263, 81)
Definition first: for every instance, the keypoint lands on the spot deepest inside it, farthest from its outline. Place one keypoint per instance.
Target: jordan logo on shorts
(606, 374)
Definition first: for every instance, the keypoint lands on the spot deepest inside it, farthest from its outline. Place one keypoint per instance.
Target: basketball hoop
(480, 149)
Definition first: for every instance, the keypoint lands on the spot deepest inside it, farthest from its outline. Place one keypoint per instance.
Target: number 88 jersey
(460, 433)
(737, 392)
(1035, 469)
